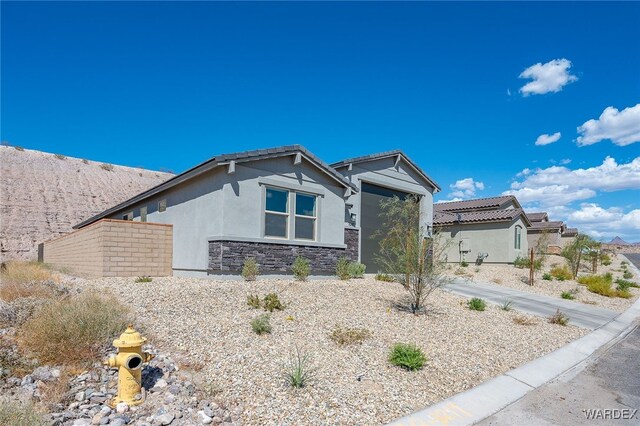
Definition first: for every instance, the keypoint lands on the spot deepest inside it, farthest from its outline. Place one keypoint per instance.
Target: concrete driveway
(579, 314)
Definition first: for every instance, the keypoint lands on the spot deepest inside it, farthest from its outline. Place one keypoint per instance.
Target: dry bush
(523, 320)
(25, 279)
(106, 166)
(55, 392)
(75, 330)
(349, 336)
(559, 318)
(14, 414)
(12, 362)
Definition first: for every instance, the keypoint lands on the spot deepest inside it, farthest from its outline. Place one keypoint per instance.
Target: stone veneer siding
(114, 248)
(227, 256)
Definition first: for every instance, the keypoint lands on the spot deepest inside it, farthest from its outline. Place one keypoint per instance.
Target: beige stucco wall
(114, 248)
(497, 239)
(553, 239)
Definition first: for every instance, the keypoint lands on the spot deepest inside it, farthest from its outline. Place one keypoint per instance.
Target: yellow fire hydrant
(129, 362)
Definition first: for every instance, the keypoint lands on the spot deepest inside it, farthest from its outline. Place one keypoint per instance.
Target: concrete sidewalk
(581, 315)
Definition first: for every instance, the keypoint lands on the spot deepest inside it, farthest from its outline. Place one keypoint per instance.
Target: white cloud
(549, 77)
(559, 185)
(465, 188)
(606, 223)
(545, 139)
(565, 161)
(621, 127)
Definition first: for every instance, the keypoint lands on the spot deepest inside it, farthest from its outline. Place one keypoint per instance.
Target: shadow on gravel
(150, 375)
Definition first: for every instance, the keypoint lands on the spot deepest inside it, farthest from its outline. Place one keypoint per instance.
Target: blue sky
(456, 86)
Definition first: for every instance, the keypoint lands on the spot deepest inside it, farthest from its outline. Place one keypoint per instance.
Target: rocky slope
(43, 195)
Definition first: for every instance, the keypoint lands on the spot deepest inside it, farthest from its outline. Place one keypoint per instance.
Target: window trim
(517, 244)
(290, 214)
(314, 217)
(286, 213)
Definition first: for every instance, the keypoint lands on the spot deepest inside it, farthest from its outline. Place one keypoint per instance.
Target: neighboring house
(551, 236)
(274, 205)
(492, 230)
(568, 236)
(379, 177)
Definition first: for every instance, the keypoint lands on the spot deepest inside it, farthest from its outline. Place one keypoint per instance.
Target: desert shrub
(606, 262)
(459, 271)
(254, 301)
(624, 263)
(384, 277)
(561, 273)
(525, 262)
(106, 166)
(599, 284)
(25, 279)
(14, 414)
(19, 148)
(523, 320)
(13, 363)
(476, 304)
(409, 357)
(271, 303)
(627, 275)
(573, 253)
(605, 259)
(356, 270)
(260, 324)
(559, 318)
(464, 264)
(547, 276)
(506, 305)
(86, 323)
(349, 336)
(60, 156)
(301, 268)
(625, 285)
(297, 371)
(342, 268)
(250, 269)
(567, 295)
(85, 161)
(625, 294)
(144, 279)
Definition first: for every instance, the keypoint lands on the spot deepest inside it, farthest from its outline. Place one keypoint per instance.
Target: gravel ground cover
(510, 276)
(208, 323)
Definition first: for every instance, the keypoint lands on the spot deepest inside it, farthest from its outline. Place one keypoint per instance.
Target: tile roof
(449, 218)
(570, 232)
(218, 160)
(547, 225)
(386, 154)
(537, 216)
(478, 203)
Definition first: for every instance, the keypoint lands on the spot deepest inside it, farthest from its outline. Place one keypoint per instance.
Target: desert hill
(43, 195)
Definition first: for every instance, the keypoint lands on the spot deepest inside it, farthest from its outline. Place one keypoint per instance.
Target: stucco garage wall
(114, 248)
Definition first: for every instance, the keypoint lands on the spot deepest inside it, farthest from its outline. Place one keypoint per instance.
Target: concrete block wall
(114, 248)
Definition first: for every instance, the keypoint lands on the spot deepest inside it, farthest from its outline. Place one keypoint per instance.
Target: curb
(486, 399)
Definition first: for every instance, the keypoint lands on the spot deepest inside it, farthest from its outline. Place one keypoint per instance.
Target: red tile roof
(444, 218)
(478, 203)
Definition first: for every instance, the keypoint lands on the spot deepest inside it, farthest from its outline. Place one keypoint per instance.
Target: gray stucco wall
(497, 239)
(552, 238)
(231, 206)
(384, 172)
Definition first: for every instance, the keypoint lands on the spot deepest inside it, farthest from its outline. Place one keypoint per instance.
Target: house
(274, 205)
(492, 229)
(551, 236)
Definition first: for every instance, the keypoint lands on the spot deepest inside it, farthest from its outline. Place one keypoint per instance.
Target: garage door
(371, 222)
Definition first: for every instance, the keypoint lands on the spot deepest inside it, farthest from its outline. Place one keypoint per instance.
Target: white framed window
(276, 213)
(518, 237)
(143, 214)
(162, 205)
(127, 216)
(305, 217)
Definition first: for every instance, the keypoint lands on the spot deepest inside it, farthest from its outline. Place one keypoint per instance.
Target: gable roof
(387, 154)
(444, 218)
(541, 226)
(221, 160)
(570, 232)
(538, 216)
(476, 204)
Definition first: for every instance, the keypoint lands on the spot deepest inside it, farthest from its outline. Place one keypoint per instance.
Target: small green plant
(349, 336)
(624, 263)
(547, 276)
(476, 304)
(301, 268)
(254, 301)
(271, 303)
(250, 269)
(15, 414)
(144, 279)
(356, 270)
(260, 324)
(559, 318)
(19, 148)
(627, 275)
(85, 161)
(625, 285)
(525, 262)
(60, 156)
(106, 166)
(599, 284)
(409, 357)
(464, 264)
(567, 295)
(506, 305)
(297, 371)
(561, 273)
(384, 277)
(342, 268)
(605, 259)
(606, 262)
